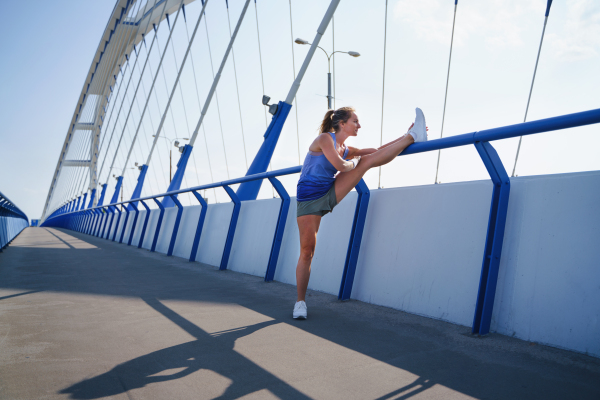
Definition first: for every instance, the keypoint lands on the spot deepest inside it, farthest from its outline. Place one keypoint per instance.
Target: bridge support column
(137, 192)
(178, 177)
(249, 190)
(115, 197)
(101, 200)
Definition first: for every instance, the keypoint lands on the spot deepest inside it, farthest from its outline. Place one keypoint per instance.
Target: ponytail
(332, 119)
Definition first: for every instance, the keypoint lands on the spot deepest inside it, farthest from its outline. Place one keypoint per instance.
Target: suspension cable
(200, 108)
(294, 77)
(236, 87)
(437, 168)
(216, 97)
(262, 79)
(383, 84)
(532, 82)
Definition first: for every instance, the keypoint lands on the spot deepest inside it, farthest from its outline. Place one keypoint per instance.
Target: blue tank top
(317, 176)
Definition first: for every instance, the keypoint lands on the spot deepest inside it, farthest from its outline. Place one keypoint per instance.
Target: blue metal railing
(87, 220)
(12, 221)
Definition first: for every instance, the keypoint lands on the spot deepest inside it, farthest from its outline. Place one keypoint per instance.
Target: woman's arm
(328, 147)
(354, 152)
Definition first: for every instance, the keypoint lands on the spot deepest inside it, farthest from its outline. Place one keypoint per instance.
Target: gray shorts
(320, 206)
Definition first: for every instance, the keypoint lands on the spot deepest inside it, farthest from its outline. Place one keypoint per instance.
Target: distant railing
(12, 221)
(87, 220)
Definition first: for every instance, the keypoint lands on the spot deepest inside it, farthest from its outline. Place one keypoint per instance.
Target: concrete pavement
(86, 318)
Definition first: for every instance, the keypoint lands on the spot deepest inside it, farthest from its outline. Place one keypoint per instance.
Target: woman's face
(351, 127)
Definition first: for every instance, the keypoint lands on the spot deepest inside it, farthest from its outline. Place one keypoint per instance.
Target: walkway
(85, 318)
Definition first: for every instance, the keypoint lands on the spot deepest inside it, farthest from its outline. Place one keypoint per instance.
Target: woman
(320, 189)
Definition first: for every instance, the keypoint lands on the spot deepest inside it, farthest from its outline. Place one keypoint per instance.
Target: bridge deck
(85, 318)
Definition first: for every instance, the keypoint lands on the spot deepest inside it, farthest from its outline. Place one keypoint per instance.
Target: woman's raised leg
(308, 226)
(346, 181)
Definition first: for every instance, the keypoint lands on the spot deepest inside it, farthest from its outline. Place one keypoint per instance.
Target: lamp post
(350, 53)
(176, 144)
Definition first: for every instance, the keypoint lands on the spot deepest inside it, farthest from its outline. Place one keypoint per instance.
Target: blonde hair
(332, 119)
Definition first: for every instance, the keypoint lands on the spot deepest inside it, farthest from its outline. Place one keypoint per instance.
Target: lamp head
(354, 53)
(301, 41)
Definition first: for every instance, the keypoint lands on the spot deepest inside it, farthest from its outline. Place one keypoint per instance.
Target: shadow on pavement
(477, 368)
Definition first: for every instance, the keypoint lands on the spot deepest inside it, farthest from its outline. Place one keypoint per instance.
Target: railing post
(358, 226)
(145, 224)
(176, 226)
(108, 216)
(200, 225)
(494, 239)
(126, 211)
(232, 225)
(117, 223)
(158, 224)
(134, 206)
(278, 237)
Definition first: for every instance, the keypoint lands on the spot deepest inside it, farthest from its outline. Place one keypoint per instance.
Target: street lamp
(350, 53)
(175, 143)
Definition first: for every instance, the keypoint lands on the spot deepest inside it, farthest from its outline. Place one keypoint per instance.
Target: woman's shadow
(209, 351)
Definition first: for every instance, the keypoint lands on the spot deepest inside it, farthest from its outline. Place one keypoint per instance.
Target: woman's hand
(355, 161)
(413, 124)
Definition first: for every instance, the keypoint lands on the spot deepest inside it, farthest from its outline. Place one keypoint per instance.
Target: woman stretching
(320, 190)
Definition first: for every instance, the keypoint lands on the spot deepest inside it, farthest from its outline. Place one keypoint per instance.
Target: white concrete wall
(422, 249)
(549, 281)
(422, 252)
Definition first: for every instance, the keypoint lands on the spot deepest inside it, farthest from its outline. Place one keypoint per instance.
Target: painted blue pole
(548, 8)
(176, 226)
(137, 192)
(145, 224)
(178, 177)
(495, 236)
(158, 224)
(124, 224)
(279, 230)
(101, 199)
(249, 190)
(115, 197)
(83, 202)
(92, 196)
(232, 225)
(358, 226)
(200, 225)
(134, 206)
(116, 223)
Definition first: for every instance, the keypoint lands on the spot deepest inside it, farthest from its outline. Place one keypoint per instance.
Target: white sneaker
(419, 129)
(299, 310)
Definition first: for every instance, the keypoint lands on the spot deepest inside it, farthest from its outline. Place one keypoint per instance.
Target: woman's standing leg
(346, 181)
(308, 226)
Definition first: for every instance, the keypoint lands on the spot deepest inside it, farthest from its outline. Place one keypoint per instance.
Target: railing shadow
(209, 352)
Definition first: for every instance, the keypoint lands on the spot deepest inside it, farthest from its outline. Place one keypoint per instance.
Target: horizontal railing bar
(507, 132)
(522, 129)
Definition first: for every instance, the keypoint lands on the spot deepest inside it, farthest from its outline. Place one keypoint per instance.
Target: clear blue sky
(44, 65)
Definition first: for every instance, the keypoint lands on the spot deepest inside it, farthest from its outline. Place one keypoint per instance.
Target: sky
(43, 69)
